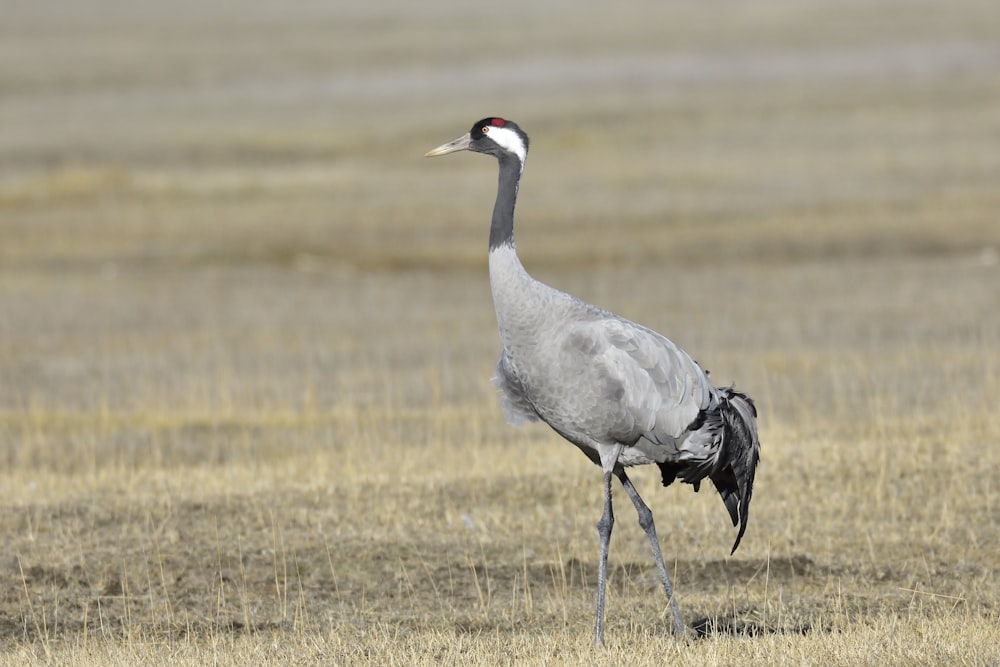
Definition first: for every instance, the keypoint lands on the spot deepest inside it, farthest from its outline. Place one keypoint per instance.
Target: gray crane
(622, 393)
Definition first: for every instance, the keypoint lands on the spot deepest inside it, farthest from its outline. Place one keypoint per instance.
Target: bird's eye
(485, 129)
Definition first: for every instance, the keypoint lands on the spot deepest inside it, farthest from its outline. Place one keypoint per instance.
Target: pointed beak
(460, 144)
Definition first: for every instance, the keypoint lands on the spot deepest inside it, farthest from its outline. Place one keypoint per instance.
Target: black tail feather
(738, 459)
(734, 468)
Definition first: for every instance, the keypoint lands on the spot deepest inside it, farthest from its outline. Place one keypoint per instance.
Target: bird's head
(494, 136)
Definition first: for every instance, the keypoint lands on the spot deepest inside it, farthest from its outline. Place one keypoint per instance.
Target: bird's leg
(609, 461)
(646, 521)
(604, 531)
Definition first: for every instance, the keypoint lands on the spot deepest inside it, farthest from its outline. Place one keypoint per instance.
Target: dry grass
(245, 332)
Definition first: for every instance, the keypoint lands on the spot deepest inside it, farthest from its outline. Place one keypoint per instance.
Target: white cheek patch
(509, 140)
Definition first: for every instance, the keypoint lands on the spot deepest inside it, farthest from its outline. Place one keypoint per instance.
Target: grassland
(246, 334)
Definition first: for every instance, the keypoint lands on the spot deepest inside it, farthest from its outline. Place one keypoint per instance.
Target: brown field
(246, 331)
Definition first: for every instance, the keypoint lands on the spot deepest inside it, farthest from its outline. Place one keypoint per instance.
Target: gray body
(622, 393)
(594, 377)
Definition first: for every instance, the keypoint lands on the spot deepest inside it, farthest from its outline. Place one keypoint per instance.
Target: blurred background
(238, 187)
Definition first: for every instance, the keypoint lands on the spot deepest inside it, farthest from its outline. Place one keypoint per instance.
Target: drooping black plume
(738, 458)
(739, 451)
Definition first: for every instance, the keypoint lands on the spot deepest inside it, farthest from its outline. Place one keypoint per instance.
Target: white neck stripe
(509, 140)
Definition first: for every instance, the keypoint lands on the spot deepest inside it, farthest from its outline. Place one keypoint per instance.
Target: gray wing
(654, 390)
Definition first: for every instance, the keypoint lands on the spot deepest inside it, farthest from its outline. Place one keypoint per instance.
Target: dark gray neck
(502, 227)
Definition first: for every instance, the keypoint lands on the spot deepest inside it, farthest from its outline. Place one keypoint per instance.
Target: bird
(622, 393)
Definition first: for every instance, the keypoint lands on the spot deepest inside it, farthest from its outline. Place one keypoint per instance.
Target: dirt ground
(246, 334)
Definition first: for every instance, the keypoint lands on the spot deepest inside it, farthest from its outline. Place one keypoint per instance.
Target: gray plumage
(622, 393)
